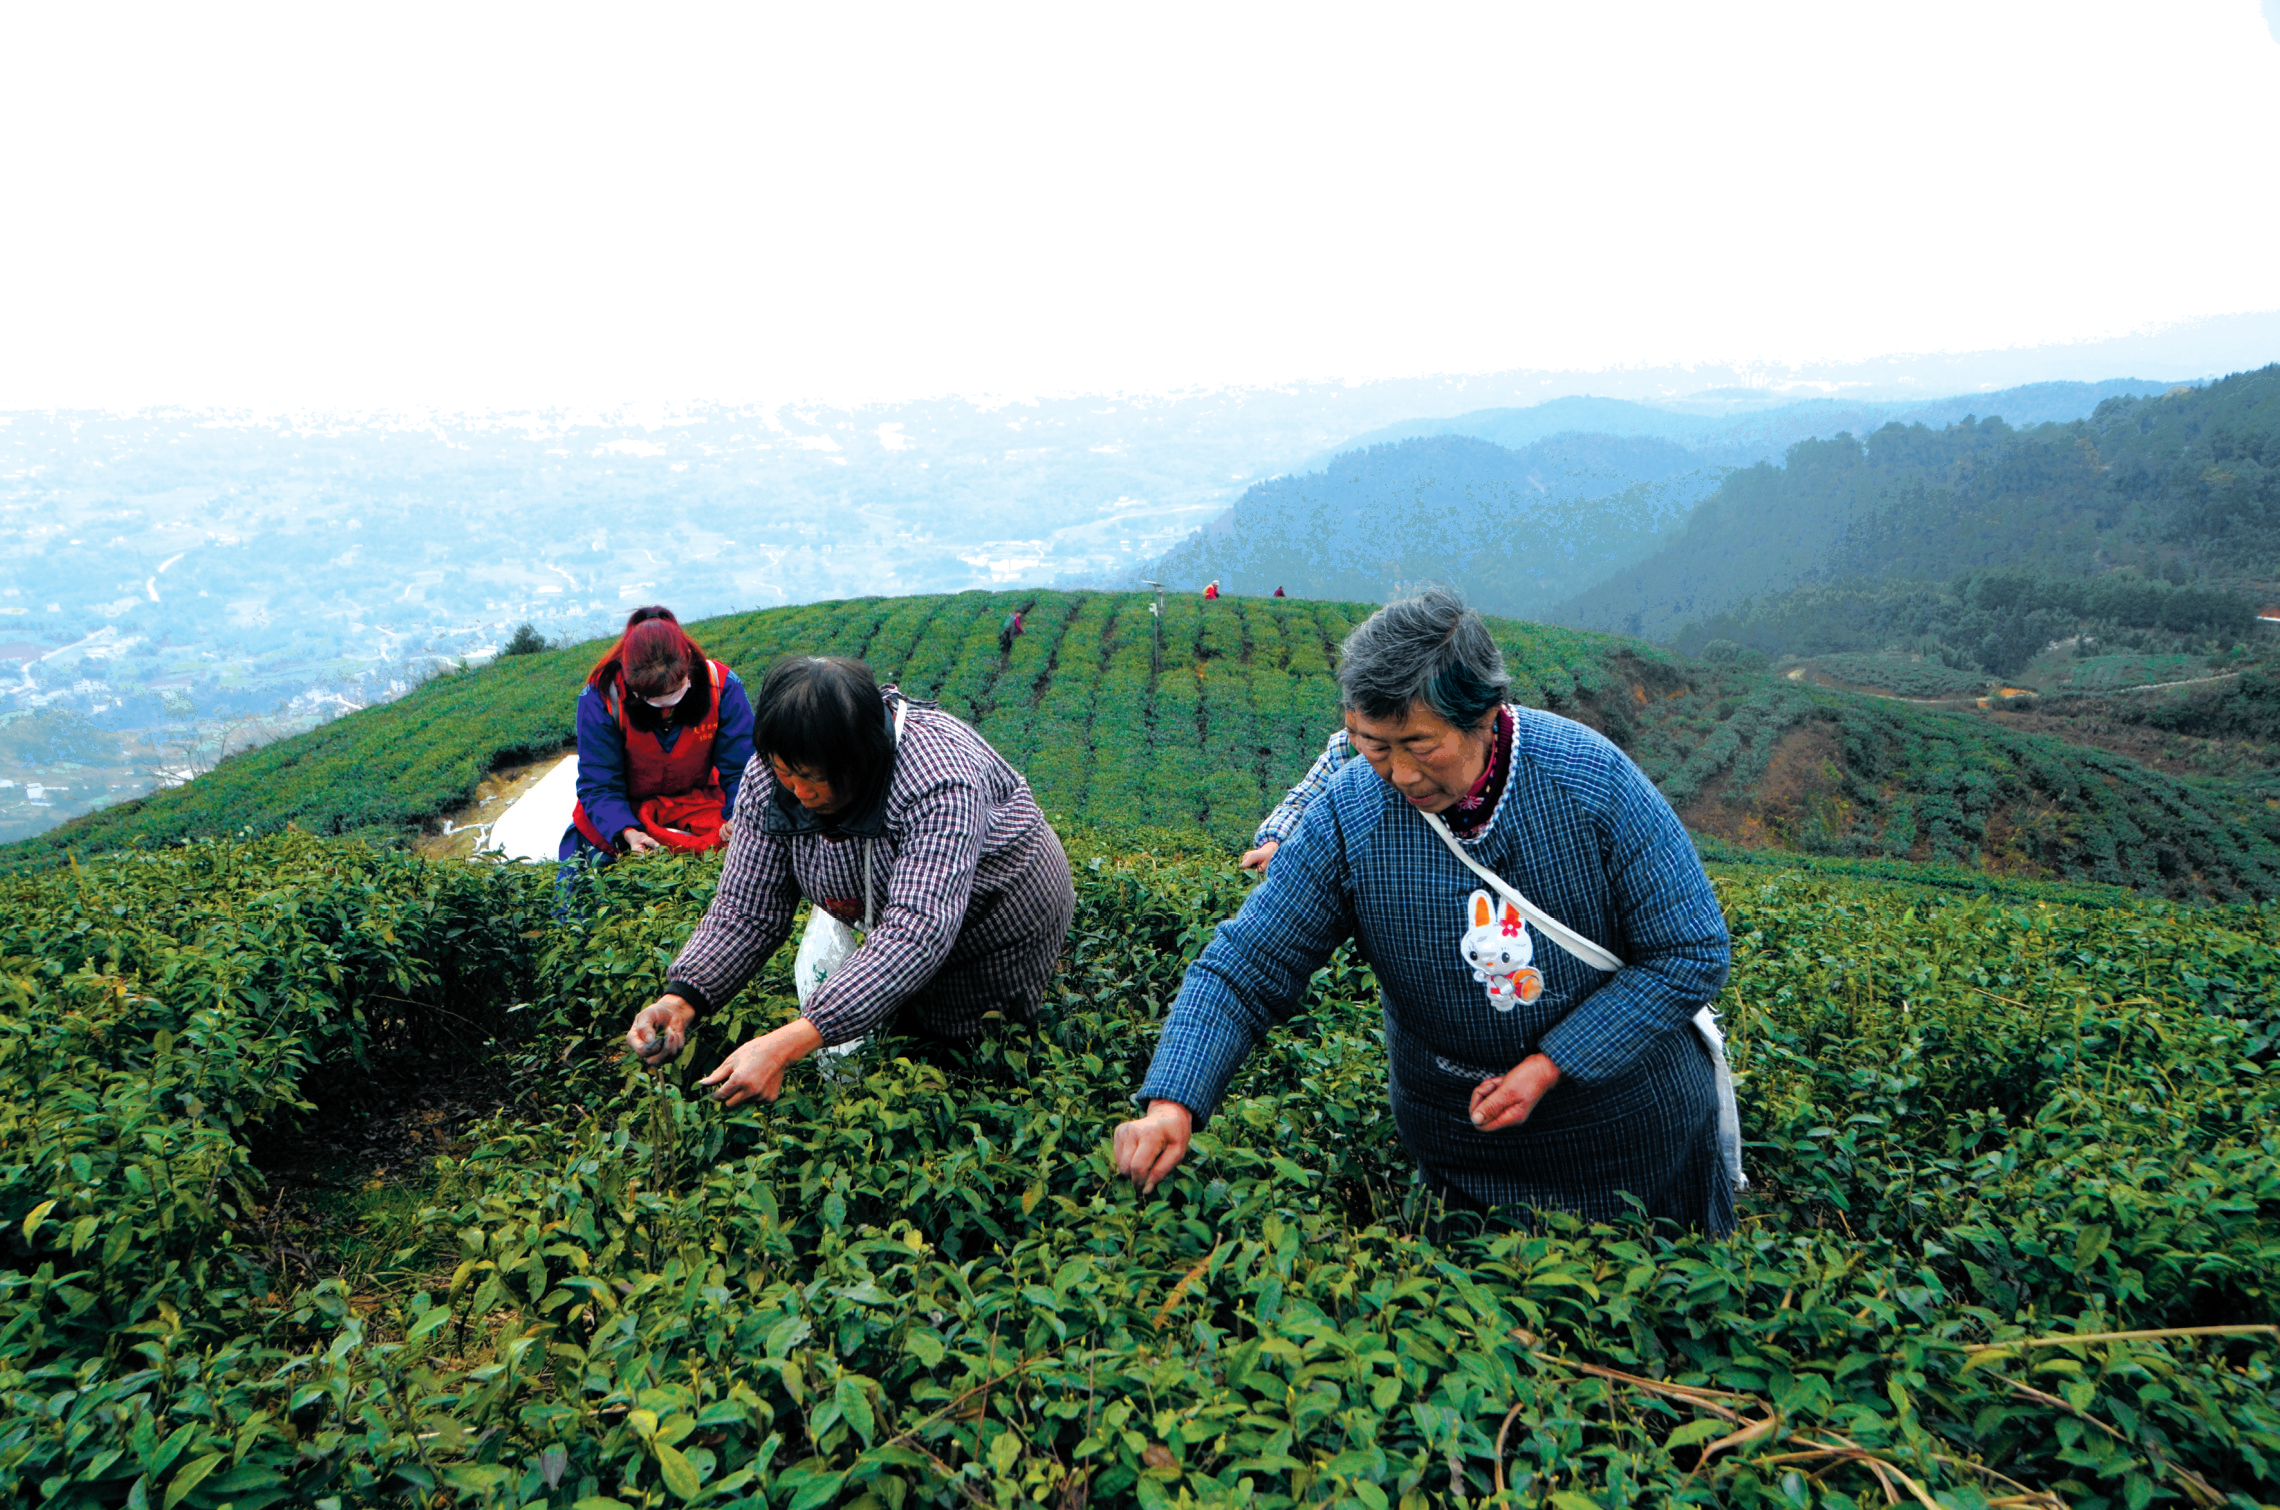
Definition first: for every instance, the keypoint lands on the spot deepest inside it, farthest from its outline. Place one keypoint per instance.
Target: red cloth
(1473, 808)
(684, 820)
(654, 772)
(1211, 592)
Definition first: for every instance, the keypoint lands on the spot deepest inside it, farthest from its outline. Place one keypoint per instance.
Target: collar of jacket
(866, 820)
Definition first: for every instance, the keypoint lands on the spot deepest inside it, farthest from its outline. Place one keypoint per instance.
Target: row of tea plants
(2011, 1240)
(1200, 718)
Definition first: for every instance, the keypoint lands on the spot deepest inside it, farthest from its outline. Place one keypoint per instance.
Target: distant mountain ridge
(1517, 529)
(2184, 485)
(1729, 430)
(1527, 508)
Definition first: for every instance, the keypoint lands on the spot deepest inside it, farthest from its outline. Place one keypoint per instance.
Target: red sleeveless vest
(651, 770)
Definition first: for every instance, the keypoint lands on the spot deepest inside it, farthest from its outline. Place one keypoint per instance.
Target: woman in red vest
(663, 738)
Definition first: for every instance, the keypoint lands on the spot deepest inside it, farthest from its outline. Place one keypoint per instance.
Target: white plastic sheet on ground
(531, 827)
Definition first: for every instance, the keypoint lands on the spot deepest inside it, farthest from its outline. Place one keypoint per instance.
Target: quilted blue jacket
(1582, 833)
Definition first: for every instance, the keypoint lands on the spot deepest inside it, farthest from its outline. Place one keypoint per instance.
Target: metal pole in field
(1156, 612)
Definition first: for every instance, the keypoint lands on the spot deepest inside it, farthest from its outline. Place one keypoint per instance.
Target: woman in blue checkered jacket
(1520, 1074)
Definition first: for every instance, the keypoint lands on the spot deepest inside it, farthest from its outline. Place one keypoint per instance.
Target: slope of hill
(1200, 737)
(1515, 529)
(1583, 490)
(2180, 485)
(1994, 622)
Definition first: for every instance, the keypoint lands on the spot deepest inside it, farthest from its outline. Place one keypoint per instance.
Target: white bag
(825, 942)
(1705, 1022)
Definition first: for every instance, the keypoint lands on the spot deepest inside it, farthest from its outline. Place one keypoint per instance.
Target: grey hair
(1428, 649)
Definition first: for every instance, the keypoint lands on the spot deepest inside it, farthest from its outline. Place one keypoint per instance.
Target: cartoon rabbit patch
(1500, 952)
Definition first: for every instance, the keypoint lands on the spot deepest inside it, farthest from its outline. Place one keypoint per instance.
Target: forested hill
(1522, 508)
(1187, 728)
(2183, 485)
(1515, 529)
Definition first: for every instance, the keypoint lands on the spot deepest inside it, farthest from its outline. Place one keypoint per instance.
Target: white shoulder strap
(902, 706)
(1555, 930)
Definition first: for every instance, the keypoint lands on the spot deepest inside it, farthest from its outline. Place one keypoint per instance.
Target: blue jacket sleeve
(601, 767)
(1281, 823)
(1674, 944)
(732, 743)
(1255, 970)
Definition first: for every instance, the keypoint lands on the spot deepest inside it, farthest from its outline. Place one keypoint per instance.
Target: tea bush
(1986, 1133)
(1200, 721)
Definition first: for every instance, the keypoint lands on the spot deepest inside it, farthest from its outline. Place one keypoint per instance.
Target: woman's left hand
(1503, 1101)
(757, 1069)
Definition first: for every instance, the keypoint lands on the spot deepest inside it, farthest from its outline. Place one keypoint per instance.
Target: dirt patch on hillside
(2176, 754)
(455, 835)
(1799, 798)
(1616, 709)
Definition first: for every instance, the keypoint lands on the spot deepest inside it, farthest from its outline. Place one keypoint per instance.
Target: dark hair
(652, 654)
(824, 714)
(1428, 649)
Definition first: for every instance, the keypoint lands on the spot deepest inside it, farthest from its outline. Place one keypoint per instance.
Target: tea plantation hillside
(1201, 740)
(2013, 1235)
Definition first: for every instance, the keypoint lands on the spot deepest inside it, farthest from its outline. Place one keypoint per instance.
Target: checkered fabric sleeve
(752, 908)
(1280, 824)
(973, 896)
(927, 892)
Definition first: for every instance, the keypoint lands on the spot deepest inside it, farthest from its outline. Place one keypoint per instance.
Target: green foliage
(1242, 704)
(156, 1008)
(2243, 707)
(1973, 1122)
(1994, 622)
(1901, 675)
(2178, 486)
(1198, 735)
(1513, 529)
(1799, 767)
(52, 737)
(526, 640)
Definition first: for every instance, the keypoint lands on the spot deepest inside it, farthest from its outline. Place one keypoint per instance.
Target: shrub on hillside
(1976, 1129)
(526, 640)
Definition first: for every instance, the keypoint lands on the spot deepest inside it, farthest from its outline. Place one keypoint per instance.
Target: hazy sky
(501, 205)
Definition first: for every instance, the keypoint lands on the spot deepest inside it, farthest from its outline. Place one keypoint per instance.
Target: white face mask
(670, 698)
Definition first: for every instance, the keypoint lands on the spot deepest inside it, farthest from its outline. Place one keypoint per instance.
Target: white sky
(499, 205)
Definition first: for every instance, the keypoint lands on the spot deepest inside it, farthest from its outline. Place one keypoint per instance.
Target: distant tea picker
(1544, 938)
(663, 737)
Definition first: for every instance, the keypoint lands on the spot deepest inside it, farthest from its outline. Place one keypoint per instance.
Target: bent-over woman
(1520, 1074)
(880, 810)
(664, 735)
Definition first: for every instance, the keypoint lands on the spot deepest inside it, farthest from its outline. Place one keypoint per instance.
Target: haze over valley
(182, 585)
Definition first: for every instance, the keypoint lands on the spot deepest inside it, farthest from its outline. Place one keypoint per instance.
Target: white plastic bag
(826, 942)
(823, 945)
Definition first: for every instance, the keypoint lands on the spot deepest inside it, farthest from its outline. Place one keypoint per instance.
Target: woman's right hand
(635, 840)
(660, 1030)
(757, 1068)
(1151, 1147)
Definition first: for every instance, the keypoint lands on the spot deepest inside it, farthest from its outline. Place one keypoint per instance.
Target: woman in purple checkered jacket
(884, 810)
